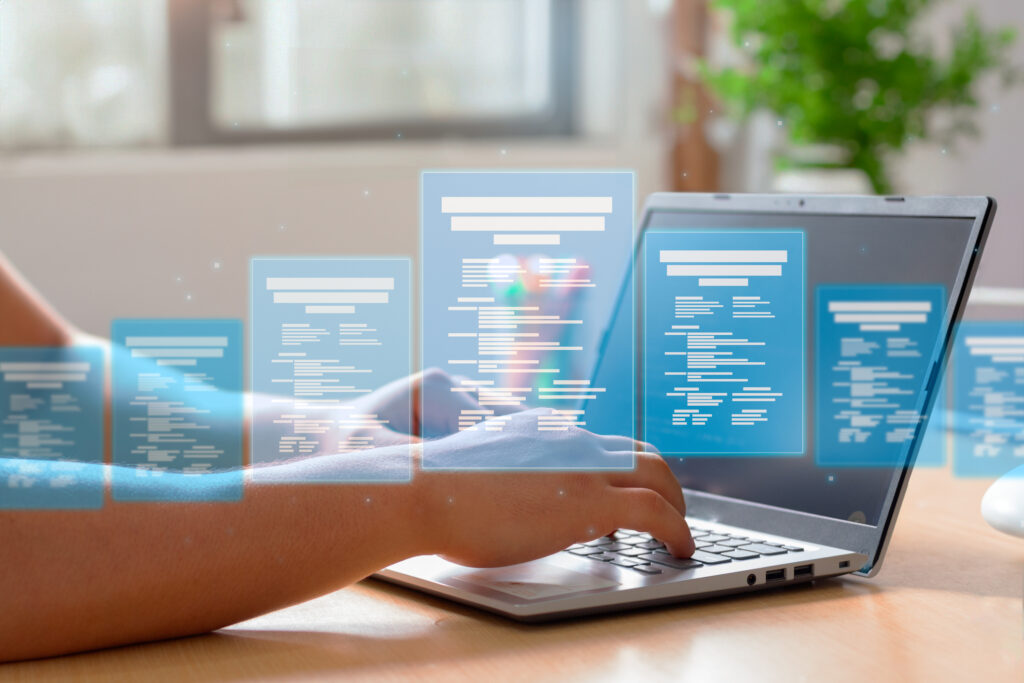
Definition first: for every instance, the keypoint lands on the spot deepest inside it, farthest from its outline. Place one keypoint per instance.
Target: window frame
(190, 115)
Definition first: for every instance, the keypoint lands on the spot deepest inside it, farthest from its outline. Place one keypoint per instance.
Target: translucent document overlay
(876, 348)
(51, 431)
(723, 319)
(325, 334)
(178, 407)
(934, 448)
(520, 271)
(988, 398)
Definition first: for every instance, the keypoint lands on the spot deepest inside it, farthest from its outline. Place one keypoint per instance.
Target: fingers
(652, 472)
(646, 510)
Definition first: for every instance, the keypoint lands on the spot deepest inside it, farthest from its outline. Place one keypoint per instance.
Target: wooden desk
(947, 606)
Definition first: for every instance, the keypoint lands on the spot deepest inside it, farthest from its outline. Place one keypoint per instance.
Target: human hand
(400, 404)
(488, 519)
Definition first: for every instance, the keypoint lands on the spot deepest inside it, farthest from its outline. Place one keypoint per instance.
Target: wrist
(434, 506)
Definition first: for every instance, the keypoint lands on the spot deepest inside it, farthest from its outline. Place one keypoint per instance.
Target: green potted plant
(855, 77)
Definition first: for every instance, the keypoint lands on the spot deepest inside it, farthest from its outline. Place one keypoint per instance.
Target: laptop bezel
(866, 539)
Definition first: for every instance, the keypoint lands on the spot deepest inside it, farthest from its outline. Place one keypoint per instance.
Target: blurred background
(148, 148)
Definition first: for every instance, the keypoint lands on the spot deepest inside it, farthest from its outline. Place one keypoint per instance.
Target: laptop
(760, 520)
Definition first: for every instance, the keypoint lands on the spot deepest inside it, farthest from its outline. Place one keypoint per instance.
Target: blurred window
(135, 72)
(81, 72)
(357, 63)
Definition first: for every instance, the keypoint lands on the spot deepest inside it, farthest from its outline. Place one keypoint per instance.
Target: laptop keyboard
(642, 553)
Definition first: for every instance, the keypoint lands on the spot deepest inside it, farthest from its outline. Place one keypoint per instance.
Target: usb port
(803, 570)
(844, 564)
(775, 575)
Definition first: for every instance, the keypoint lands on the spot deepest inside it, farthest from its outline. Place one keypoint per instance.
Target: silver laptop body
(567, 584)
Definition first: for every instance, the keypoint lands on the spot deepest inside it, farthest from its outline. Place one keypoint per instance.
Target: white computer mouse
(1003, 504)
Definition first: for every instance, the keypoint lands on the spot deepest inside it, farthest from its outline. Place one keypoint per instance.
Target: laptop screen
(848, 285)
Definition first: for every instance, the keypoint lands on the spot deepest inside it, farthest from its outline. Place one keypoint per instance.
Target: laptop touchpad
(534, 580)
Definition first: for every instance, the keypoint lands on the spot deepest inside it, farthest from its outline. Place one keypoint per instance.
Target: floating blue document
(877, 348)
(327, 333)
(178, 409)
(51, 428)
(520, 273)
(723, 329)
(934, 448)
(988, 398)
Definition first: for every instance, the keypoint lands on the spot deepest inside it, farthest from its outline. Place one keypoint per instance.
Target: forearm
(76, 580)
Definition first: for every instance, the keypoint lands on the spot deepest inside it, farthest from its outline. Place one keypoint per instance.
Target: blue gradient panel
(988, 399)
(51, 429)
(178, 409)
(521, 271)
(327, 333)
(876, 346)
(724, 336)
(934, 448)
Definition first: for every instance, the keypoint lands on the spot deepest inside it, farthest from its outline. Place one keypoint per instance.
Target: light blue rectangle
(315, 366)
(521, 271)
(934, 448)
(176, 412)
(877, 347)
(51, 428)
(988, 399)
(723, 323)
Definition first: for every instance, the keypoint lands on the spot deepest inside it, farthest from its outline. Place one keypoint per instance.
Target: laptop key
(709, 558)
(713, 538)
(793, 548)
(670, 561)
(614, 547)
(646, 569)
(651, 545)
(604, 540)
(718, 549)
(630, 540)
(734, 542)
(585, 551)
(740, 554)
(633, 552)
(624, 562)
(762, 549)
(602, 557)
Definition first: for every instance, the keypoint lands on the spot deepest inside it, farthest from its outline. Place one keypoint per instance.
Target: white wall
(106, 235)
(990, 165)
